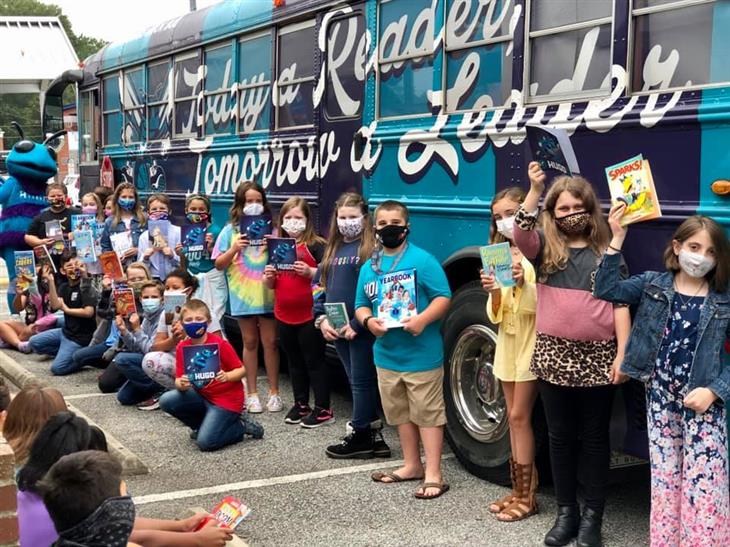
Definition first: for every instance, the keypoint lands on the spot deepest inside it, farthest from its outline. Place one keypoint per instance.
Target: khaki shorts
(415, 397)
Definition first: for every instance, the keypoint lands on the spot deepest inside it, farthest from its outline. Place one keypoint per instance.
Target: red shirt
(227, 395)
(293, 292)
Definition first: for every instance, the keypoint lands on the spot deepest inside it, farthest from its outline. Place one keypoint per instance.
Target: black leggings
(578, 421)
(304, 349)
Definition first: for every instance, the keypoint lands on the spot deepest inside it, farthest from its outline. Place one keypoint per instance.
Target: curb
(21, 377)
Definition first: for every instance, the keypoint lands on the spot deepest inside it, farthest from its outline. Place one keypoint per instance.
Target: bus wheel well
(462, 271)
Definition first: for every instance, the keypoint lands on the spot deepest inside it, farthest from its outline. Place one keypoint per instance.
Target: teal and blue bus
(424, 101)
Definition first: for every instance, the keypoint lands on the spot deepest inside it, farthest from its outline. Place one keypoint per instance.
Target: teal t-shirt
(399, 350)
(204, 265)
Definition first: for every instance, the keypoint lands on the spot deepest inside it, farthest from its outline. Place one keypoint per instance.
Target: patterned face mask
(294, 226)
(350, 227)
(574, 224)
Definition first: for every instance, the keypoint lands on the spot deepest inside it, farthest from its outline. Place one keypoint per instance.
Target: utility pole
(193, 6)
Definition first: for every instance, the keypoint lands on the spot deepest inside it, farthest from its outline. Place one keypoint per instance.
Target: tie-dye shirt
(247, 293)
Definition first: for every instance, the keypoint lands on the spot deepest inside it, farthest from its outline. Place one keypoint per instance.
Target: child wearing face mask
(127, 218)
(215, 413)
(576, 362)
(349, 246)
(513, 309)
(251, 301)
(303, 345)
(91, 205)
(157, 250)
(682, 321)
(108, 207)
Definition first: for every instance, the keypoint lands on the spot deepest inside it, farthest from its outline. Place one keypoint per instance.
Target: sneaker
(275, 404)
(5, 345)
(380, 447)
(153, 403)
(358, 445)
(319, 416)
(251, 427)
(194, 434)
(24, 347)
(253, 404)
(297, 412)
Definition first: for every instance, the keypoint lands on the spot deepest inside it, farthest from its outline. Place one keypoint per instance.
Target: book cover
(43, 258)
(193, 241)
(158, 231)
(282, 252)
(229, 513)
(85, 248)
(111, 266)
(174, 300)
(121, 242)
(551, 148)
(124, 302)
(631, 182)
(55, 231)
(497, 261)
(24, 270)
(337, 314)
(397, 297)
(255, 228)
(202, 363)
(88, 222)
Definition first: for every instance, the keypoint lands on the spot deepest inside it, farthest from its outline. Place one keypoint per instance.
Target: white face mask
(695, 265)
(294, 226)
(505, 227)
(253, 209)
(350, 227)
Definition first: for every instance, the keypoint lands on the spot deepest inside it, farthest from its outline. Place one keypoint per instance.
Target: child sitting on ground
(214, 412)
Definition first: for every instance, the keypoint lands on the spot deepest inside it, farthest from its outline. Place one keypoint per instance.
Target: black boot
(565, 527)
(357, 445)
(380, 448)
(589, 532)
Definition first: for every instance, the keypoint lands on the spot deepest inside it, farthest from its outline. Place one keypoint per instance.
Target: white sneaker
(274, 404)
(253, 404)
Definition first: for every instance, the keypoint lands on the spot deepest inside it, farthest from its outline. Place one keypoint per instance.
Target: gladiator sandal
(502, 503)
(525, 502)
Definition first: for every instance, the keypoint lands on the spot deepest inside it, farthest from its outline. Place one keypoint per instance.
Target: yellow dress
(516, 336)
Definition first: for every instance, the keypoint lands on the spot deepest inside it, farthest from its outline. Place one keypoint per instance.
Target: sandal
(525, 502)
(441, 486)
(502, 503)
(378, 476)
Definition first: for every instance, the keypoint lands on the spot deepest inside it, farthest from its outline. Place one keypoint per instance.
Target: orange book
(111, 266)
(124, 302)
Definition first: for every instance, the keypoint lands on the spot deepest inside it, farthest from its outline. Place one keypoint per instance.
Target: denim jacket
(654, 292)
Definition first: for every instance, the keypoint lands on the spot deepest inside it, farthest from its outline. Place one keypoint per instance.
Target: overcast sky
(115, 20)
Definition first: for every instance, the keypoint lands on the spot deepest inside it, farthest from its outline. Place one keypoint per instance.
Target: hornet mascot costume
(23, 196)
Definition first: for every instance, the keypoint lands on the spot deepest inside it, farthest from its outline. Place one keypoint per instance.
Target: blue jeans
(357, 357)
(90, 356)
(138, 386)
(54, 342)
(216, 426)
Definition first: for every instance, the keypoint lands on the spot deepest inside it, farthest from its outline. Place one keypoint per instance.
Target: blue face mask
(126, 203)
(195, 330)
(150, 305)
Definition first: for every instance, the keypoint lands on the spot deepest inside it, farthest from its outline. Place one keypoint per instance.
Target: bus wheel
(478, 427)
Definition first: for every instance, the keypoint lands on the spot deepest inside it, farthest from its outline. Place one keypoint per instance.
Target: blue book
(201, 364)
(551, 148)
(88, 222)
(282, 252)
(193, 242)
(85, 246)
(255, 228)
(158, 231)
(497, 261)
(397, 297)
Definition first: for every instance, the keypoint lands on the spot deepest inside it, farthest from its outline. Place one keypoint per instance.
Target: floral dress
(688, 451)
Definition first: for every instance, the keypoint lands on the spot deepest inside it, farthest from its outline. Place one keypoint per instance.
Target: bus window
(134, 106)
(112, 110)
(295, 82)
(479, 54)
(186, 88)
(570, 48)
(158, 94)
(220, 108)
(88, 125)
(406, 57)
(346, 58)
(678, 44)
(254, 83)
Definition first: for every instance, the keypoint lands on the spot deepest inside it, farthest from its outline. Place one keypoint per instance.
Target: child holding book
(349, 246)
(123, 228)
(576, 362)
(408, 360)
(303, 345)
(251, 301)
(156, 244)
(675, 348)
(513, 309)
(91, 205)
(78, 302)
(35, 301)
(214, 412)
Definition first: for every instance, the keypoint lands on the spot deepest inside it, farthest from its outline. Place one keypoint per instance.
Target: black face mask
(392, 236)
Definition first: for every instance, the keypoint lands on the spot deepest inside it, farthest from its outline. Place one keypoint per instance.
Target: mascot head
(31, 163)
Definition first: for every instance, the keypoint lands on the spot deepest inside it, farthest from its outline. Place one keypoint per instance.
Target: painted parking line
(88, 395)
(273, 481)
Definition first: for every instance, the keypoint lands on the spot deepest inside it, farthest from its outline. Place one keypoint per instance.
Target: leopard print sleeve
(524, 220)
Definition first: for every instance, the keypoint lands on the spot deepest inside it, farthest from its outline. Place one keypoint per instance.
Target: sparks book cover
(202, 363)
(631, 182)
(397, 297)
(282, 252)
(497, 261)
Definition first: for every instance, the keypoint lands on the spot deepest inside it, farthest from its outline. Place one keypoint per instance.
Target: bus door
(342, 84)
